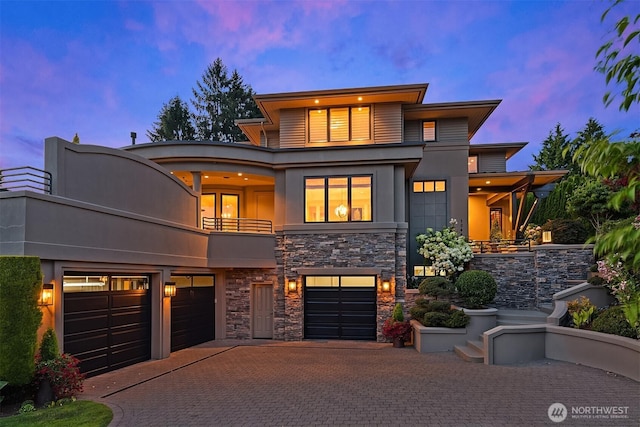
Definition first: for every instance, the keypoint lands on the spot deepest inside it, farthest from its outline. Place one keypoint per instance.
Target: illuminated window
(429, 186)
(429, 131)
(339, 124)
(337, 199)
(473, 164)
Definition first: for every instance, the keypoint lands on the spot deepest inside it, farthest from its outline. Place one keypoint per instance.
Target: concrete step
(520, 317)
(469, 354)
(546, 308)
(476, 345)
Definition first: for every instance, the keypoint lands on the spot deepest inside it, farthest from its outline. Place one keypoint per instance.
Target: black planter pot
(45, 393)
(398, 342)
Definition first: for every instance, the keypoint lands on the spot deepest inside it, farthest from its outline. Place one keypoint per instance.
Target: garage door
(340, 307)
(192, 311)
(107, 321)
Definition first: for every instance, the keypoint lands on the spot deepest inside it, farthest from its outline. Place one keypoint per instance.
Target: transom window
(337, 199)
(429, 131)
(339, 124)
(429, 186)
(340, 281)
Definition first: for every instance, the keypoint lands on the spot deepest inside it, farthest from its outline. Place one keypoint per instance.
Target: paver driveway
(271, 383)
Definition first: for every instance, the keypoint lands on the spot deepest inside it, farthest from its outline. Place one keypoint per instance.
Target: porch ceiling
(234, 179)
(506, 182)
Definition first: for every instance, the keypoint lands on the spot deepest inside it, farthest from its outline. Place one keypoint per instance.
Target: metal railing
(25, 178)
(245, 225)
(501, 246)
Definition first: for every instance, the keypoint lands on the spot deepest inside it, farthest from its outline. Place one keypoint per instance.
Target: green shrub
(476, 288)
(417, 312)
(436, 286)
(435, 319)
(398, 315)
(425, 306)
(612, 321)
(439, 306)
(596, 281)
(458, 319)
(20, 317)
(566, 231)
(49, 345)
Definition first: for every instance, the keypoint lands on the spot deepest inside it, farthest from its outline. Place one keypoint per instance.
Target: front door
(262, 311)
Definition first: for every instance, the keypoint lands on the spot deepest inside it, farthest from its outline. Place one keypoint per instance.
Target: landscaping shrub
(566, 231)
(49, 345)
(476, 288)
(596, 281)
(458, 319)
(425, 306)
(612, 321)
(581, 311)
(20, 317)
(436, 286)
(63, 373)
(398, 315)
(435, 319)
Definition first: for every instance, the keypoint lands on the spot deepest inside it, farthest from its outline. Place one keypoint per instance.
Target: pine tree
(551, 155)
(174, 123)
(219, 100)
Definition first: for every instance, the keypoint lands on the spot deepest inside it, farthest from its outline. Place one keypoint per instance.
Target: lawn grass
(78, 413)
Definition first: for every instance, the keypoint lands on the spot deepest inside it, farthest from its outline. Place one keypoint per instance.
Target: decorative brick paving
(350, 383)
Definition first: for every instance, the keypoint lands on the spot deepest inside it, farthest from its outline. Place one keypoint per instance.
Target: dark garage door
(192, 317)
(107, 330)
(340, 307)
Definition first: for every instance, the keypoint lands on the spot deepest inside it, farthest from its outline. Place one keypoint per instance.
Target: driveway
(273, 383)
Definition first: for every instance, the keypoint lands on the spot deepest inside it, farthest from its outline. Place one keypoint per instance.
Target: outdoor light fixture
(292, 285)
(169, 289)
(386, 286)
(46, 296)
(546, 237)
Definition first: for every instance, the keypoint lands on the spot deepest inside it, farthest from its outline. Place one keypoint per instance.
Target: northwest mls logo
(557, 412)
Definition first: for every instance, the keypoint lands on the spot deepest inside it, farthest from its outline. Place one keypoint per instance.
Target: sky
(103, 69)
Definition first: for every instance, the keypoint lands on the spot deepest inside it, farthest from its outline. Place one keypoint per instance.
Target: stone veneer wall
(385, 251)
(528, 280)
(238, 284)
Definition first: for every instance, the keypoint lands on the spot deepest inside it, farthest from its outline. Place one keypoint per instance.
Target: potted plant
(396, 328)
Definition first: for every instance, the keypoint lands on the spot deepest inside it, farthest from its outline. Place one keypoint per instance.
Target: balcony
(25, 178)
(242, 225)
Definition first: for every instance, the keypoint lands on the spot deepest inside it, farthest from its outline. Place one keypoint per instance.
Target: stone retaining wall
(527, 280)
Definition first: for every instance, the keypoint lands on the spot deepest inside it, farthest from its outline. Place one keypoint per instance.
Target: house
(305, 231)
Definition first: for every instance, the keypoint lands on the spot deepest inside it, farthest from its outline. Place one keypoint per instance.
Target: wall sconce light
(46, 296)
(546, 237)
(292, 286)
(386, 286)
(169, 289)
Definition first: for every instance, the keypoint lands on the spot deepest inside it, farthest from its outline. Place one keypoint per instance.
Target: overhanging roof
(506, 182)
(476, 112)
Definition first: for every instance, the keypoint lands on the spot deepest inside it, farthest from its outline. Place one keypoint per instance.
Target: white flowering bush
(446, 251)
(533, 232)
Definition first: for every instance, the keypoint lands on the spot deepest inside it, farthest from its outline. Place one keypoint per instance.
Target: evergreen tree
(174, 123)
(219, 100)
(550, 156)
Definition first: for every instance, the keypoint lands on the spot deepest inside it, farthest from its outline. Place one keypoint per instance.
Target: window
(429, 186)
(429, 131)
(337, 199)
(339, 124)
(473, 164)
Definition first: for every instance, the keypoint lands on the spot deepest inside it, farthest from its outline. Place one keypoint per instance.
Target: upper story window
(429, 131)
(339, 124)
(473, 164)
(429, 186)
(337, 199)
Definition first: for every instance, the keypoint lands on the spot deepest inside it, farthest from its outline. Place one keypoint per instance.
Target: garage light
(386, 286)
(169, 289)
(46, 296)
(292, 286)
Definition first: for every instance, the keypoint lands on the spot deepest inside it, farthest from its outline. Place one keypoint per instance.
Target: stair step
(469, 354)
(476, 345)
(546, 308)
(520, 317)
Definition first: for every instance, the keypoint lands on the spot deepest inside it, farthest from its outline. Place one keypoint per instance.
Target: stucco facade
(307, 230)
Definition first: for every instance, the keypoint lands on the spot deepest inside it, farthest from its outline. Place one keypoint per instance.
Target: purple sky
(105, 68)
